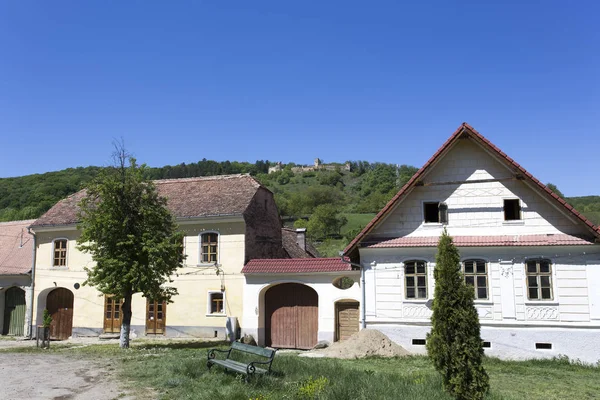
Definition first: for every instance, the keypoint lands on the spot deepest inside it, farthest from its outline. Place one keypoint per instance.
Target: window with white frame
(539, 279)
(415, 279)
(209, 247)
(216, 302)
(59, 258)
(475, 272)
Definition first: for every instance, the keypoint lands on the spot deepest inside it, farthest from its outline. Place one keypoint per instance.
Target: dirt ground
(56, 377)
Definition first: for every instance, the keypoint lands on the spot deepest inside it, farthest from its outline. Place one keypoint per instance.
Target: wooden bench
(246, 368)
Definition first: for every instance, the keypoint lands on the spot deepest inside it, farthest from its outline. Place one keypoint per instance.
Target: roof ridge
(202, 178)
(17, 222)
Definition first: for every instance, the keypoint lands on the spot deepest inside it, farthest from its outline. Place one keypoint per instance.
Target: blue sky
(291, 81)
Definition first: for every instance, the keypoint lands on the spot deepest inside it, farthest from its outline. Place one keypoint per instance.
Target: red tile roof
(466, 130)
(484, 241)
(186, 198)
(16, 248)
(295, 266)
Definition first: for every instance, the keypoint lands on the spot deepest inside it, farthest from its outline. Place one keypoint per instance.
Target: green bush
(454, 344)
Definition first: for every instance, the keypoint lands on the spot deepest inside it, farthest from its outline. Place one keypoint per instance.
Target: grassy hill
(347, 200)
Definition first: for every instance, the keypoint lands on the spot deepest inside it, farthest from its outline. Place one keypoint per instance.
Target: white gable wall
(474, 208)
(511, 322)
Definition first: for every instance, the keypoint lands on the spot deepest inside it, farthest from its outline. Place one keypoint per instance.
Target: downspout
(363, 306)
(30, 308)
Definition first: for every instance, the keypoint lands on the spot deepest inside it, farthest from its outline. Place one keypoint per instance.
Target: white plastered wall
(257, 285)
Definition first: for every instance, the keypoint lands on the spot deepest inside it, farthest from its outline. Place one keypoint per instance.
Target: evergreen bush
(454, 344)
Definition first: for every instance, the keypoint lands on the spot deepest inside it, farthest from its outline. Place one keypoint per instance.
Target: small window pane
(421, 268)
(481, 268)
(481, 281)
(482, 293)
(108, 314)
(470, 280)
(469, 267)
(410, 281)
(545, 281)
(422, 293)
(533, 293)
(410, 268)
(421, 281)
(546, 293)
(531, 267)
(410, 292)
(544, 266)
(532, 281)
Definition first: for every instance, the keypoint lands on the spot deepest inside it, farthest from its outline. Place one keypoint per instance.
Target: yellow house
(227, 220)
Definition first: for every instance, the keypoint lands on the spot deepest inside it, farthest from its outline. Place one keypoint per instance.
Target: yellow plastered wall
(194, 281)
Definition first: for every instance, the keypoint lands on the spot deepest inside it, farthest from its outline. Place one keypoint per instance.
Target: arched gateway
(60, 306)
(292, 312)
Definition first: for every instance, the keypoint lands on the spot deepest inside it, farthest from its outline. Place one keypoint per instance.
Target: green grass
(356, 221)
(177, 370)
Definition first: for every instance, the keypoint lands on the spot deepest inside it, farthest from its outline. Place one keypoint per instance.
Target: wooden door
(292, 314)
(346, 319)
(156, 315)
(14, 312)
(112, 314)
(60, 306)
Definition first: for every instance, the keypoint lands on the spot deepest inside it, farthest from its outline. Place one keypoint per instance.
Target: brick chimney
(301, 237)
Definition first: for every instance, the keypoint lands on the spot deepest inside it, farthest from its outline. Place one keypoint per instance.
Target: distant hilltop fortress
(318, 166)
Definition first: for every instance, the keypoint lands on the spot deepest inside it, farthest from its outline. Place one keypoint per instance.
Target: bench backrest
(259, 351)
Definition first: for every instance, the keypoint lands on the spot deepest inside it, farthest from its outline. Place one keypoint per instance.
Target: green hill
(344, 201)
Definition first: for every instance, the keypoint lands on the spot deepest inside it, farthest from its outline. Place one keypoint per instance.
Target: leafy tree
(131, 235)
(324, 221)
(553, 187)
(454, 344)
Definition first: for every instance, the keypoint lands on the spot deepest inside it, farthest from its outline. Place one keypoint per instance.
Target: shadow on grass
(182, 345)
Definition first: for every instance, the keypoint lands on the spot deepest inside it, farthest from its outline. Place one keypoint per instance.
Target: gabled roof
(211, 196)
(295, 266)
(465, 130)
(288, 237)
(16, 248)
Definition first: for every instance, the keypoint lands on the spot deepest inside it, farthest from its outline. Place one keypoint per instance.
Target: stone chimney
(301, 237)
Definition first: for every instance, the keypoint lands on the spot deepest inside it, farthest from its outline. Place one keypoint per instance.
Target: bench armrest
(251, 365)
(211, 353)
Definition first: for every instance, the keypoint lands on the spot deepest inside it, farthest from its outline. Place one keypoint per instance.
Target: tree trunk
(126, 322)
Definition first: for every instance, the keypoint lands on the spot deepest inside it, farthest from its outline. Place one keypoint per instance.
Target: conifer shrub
(454, 343)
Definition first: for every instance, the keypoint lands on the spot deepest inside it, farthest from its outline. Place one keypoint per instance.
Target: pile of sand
(367, 342)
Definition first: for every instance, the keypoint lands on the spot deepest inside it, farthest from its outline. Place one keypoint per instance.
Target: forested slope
(342, 201)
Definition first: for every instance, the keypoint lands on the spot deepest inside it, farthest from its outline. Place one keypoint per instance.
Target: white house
(533, 260)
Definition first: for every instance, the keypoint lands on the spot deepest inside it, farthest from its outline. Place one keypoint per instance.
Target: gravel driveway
(51, 376)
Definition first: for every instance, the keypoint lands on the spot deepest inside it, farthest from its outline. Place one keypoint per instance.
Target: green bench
(246, 368)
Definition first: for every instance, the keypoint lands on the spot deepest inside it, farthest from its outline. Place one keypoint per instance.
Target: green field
(177, 370)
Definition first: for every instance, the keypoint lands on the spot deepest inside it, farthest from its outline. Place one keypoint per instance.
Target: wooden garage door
(60, 306)
(292, 314)
(346, 319)
(14, 312)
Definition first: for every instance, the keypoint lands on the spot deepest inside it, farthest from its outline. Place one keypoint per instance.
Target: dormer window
(435, 212)
(60, 253)
(512, 210)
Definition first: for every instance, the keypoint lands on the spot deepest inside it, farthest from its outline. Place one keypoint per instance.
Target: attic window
(435, 212)
(512, 210)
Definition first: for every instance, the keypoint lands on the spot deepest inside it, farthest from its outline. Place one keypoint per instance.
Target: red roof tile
(16, 248)
(295, 266)
(485, 241)
(208, 196)
(466, 130)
